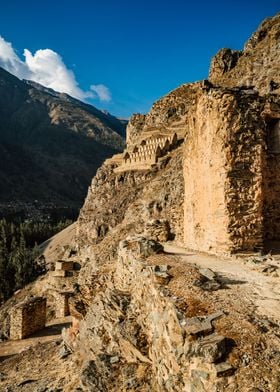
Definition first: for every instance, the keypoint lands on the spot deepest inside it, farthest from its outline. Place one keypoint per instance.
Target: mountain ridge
(51, 144)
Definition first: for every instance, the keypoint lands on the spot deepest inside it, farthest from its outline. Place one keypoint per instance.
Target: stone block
(207, 273)
(210, 348)
(64, 265)
(224, 369)
(59, 273)
(62, 304)
(197, 326)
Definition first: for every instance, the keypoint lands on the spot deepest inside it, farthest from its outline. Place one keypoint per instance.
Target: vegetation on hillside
(19, 250)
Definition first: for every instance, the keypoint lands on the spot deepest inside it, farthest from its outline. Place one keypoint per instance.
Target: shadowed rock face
(150, 321)
(50, 144)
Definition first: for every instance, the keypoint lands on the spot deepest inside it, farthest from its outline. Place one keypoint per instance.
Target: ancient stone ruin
(62, 303)
(27, 317)
(231, 166)
(60, 282)
(145, 154)
(63, 268)
(201, 170)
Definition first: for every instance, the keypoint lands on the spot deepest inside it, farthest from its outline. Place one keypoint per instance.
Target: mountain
(164, 278)
(50, 143)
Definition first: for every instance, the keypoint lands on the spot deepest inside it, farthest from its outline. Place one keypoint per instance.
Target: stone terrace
(144, 155)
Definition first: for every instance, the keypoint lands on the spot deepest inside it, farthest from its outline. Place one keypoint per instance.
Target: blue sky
(139, 50)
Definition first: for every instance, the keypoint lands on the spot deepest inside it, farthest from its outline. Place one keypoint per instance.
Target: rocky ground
(246, 292)
(148, 317)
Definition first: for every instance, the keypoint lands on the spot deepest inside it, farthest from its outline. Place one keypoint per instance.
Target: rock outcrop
(149, 320)
(140, 339)
(256, 66)
(119, 204)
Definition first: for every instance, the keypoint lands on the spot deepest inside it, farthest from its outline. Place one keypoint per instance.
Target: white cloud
(47, 68)
(102, 92)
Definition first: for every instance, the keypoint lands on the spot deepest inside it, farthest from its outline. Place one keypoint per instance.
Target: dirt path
(263, 290)
(51, 332)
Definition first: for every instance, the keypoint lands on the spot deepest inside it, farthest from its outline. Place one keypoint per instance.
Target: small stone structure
(27, 317)
(62, 303)
(63, 269)
(145, 154)
(61, 282)
(62, 265)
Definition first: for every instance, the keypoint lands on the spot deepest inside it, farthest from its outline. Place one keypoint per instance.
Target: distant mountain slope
(50, 143)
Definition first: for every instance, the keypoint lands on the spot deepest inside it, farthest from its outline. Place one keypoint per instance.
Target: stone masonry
(28, 317)
(230, 170)
(146, 153)
(62, 303)
(61, 280)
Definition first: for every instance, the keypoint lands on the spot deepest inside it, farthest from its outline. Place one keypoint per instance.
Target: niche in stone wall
(273, 136)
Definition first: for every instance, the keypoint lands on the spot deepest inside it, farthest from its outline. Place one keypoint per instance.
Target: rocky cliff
(134, 334)
(257, 65)
(147, 314)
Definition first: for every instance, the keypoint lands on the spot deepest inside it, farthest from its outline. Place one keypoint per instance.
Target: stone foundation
(28, 317)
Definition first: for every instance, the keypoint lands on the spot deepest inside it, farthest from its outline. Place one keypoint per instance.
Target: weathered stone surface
(158, 229)
(141, 247)
(62, 303)
(64, 265)
(27, 317)
(210, 348)
(132, 324)
(58, 273)
(209, 274)
(257, 65)
(64, 351)
(119, 205)
(224, 61)
(223, 369)
(134, 127)
(198, 326)
(227, 171)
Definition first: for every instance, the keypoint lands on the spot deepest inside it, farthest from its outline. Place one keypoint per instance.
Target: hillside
(169, 279)
(50, 143)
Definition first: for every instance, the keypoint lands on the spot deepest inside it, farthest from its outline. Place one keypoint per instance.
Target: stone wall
(28, 317)
(224, 159)
(272, 186)
(244, 189)
(144, 155)
(141, 334)
(205, 173)
(62, 304)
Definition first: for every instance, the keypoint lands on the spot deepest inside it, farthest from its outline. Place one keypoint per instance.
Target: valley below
(168, 280)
